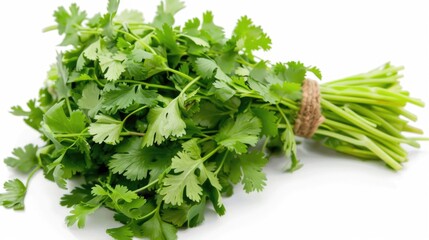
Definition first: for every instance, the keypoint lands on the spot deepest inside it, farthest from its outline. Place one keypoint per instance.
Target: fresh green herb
(161, 120)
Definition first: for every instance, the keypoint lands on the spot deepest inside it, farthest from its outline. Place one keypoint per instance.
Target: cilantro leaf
(177, 216)
(14, 196)
(111, 64)
(234, 135)
(112, 6)
(268, 120)
(25, 160)
(81, 211)
(91, 99)
(122, 193)
(58, 174)
(77, 195)
(129, 16)
(163, 123)
(119, 98)
(166, 11)
(67, 22)
(208, 68)
(106, 129)
(250, 37)
(316, 71)
(121, 233)
(253, 178)
(58, 122)
(287, 90)
(134, 162)
(156, 228)
(209, 115)
(34, 116)
(92, 51)
(168, 38)
(61, 79)
(211, 31)
(294, 72)
(185, 180)
(195, 214)
(223, 91)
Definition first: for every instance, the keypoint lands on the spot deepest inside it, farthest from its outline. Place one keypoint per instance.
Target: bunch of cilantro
(161, 120)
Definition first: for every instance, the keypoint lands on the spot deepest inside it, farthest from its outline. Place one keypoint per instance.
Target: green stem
(189, 85)
(151, 85)
(129, 133)
(221, 163)
(147, 186)
(132, 113)
(207, 156)
(30, 176)
(139, 40)
(327, 105)
(70, 135)
(184, 75)
(68, 105)
(50, 28)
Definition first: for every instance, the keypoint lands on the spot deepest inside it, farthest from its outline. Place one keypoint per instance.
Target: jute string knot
(309, 116)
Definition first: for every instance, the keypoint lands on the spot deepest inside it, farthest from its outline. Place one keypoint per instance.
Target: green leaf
(80, 212)
(287, 90)
(177, 216)
(67, 22)
(133, 161)
(111, 64)
(191, 27)
(184, 180)
(294, 71)
(129, 16)
(289, 148)
(168, 38)
(163, 123)
(197, 40)
(234, 135)
(25, 158)
(14, 196)
(195, 214)
(119, 98)
(91, 99)
(34, 116)
(268, 120)
(252, 164)
(166, 11)
(58, 122)
(92, 51)
(211, 31)
(122, 193)
(208, 68)
(112, 6)
(58, 174)
(136, 163)
(62, 89)
(146, 97)
(315, 71)
(106, 129)
(121, 233)
(77, 195)
(223, 91)
(156, 229)
(135, 209)
(208, 116)
(250, 37)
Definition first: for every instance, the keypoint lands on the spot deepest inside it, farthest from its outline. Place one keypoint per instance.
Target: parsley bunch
(161, 120)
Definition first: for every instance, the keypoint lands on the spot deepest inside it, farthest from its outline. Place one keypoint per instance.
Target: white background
(331, 197)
